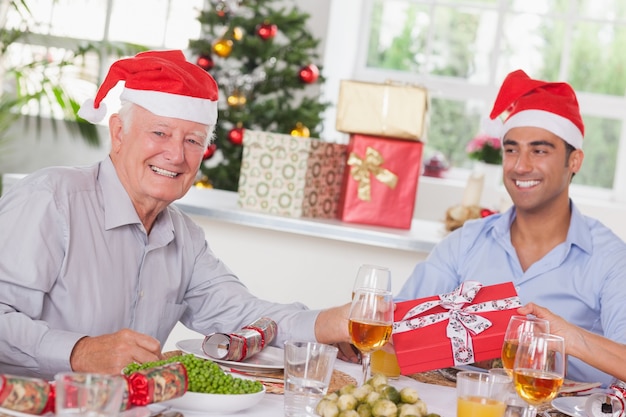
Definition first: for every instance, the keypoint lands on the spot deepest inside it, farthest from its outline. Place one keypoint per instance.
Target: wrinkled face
(536, 168)
(156, 157)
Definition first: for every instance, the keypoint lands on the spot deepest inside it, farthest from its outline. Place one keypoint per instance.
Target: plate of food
(270, 358)
(208, 389)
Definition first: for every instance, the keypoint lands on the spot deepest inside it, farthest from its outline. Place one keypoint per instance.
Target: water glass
(89, 395)
(308, 370)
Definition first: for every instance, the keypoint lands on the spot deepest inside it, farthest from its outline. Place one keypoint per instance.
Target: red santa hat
(549, 105)
(162, 82)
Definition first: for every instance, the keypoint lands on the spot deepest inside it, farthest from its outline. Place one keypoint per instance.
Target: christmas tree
(263, 58)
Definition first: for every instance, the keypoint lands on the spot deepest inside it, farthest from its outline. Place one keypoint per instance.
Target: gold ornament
(223, 47)
(236, 99)
(237, 33)
(203, 182)
(301, 131)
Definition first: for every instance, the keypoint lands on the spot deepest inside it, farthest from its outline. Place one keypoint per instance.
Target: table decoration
(240, 345)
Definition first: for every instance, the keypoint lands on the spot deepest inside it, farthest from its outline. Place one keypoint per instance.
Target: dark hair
(568, 151)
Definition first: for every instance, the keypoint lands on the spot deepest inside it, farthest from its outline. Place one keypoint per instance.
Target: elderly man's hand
(110, 353)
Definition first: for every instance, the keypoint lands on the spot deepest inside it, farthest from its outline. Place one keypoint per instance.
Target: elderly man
(97, 266)
(554, 255)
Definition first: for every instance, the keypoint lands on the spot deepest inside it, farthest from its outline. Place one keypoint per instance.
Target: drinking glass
(372, 276)
(539, 368)
(370, 322)
(517, 326)
(378, 277)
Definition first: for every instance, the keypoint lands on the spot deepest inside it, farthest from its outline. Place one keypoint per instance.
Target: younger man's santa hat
(162, 82)
(534, 103)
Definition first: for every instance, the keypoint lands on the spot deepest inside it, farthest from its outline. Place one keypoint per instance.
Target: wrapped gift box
(390, 110)
(479, 314)
(380, 181)
(290, 176)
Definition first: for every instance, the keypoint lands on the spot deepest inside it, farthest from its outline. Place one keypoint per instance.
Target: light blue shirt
(75, 260)
(582, 279)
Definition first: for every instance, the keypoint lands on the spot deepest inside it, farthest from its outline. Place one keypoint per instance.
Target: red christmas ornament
(205, 62)
(235, 135)
(309, 74)
(266, 30)
(209, 152)
(486, 212)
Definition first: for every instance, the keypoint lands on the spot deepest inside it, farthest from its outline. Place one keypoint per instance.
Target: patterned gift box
(389, 110)
(380, 181)
(290, 176)
(464, 326)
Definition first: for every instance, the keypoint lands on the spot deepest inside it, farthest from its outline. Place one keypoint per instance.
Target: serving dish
(270, 358)
(214, 403)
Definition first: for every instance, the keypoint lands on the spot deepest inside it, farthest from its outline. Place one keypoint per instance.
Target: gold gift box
(389, 109)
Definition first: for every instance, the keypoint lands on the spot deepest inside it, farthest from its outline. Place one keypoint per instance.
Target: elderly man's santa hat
(534, 103)
(162, 82)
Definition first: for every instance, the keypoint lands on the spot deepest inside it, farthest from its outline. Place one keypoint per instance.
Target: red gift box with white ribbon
(458, 328)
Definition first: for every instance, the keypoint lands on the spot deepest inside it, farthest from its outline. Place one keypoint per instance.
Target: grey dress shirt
(75, 260)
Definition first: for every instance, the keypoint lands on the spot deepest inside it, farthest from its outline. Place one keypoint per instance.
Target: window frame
(447, 88)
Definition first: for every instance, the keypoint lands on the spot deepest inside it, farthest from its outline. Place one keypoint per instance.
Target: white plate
(270, 358)
(214, 403)
(572, 406)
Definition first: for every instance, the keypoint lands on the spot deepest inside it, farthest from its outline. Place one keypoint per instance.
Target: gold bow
(361, 169)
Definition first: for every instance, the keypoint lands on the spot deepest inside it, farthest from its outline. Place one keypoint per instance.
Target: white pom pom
(88, 112)
(492, 127)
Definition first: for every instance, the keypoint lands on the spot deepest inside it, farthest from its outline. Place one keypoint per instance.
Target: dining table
(437, 388)
(439, 399)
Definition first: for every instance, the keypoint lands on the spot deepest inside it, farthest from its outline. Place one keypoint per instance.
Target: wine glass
(378, 277)
(517, 326)
(372, 276)
(370, 322)
(539, 368)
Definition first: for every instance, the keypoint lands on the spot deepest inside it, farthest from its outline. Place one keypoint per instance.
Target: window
(462, 50)
(53, 29)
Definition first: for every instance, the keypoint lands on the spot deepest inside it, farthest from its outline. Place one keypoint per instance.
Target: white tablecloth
(440, 400)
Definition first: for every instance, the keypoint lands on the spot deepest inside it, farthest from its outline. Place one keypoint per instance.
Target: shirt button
(141, 294)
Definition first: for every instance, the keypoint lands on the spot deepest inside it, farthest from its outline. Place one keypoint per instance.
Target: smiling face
(156, 157)
(537, 169)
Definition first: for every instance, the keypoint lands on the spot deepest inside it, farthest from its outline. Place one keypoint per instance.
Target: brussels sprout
(327, 408)
(372, 397)
(346, 402)
(384, 408)
(347, 389)
(331, 396)
(364, 410)
(378, 379)
(389, 392)
(361, 392)
(409, 395)
(348, 413)
(406, 410)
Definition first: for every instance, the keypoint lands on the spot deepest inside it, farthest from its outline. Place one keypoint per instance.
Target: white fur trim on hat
(195, 109)
(559, 125)
(88, 112)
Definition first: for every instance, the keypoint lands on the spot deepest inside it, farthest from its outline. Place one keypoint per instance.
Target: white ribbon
(463, 322)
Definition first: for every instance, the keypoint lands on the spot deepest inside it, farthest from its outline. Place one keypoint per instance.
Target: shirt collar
(578, 234)
(118, 207)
